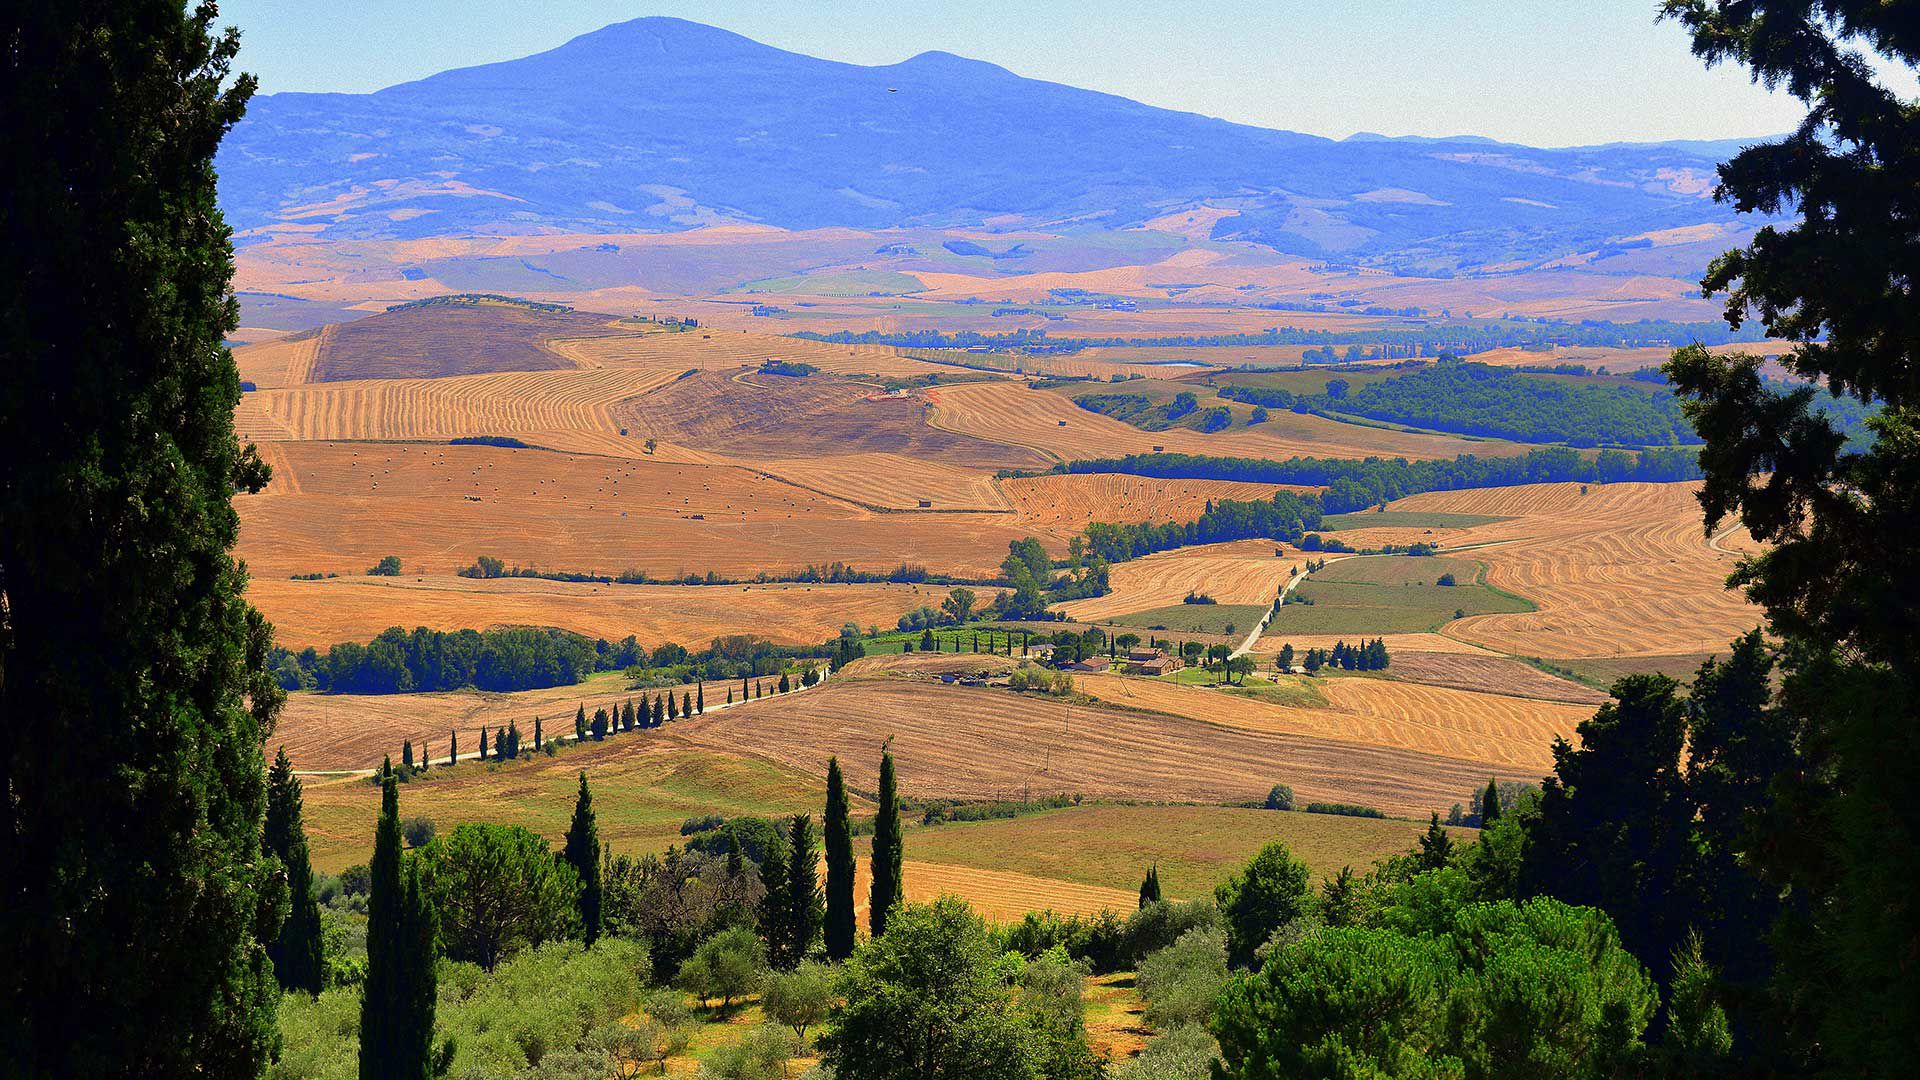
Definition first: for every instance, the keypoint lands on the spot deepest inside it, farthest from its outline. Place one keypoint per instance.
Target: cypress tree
(406, 754)
(886, 891)
(686, 704)
(1436, 846)
(774, 908)
(580, 724)
(453, 747)
(700, 697)
(135, 696)
(659, 712)
(397, 999)
(839, 928)
(582, 852)
(743, 688)
(599, 725)
(1490, 805)
(483, 744)
(1150, 888)
(927, 643)
(673, 710)
(513, 740)
(729, 695)
(784, 685)
(537, 740)
(298, 960)
(801, 925)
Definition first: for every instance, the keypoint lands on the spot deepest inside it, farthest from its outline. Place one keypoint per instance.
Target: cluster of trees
(398, 662)
(1142, 412)
(1029, 571)
(1457, 337)
(1357, 484)
(488, 567)
(1286, 517)
(791, 368)
(1365, 656)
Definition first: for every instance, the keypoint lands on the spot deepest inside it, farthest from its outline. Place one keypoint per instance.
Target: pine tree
(886, 891)
(1490, 804)
(839, 928)
(582, 852)
(135, 696)
(1150, 888)
(298, 958)
(397, 999)
(801, 896)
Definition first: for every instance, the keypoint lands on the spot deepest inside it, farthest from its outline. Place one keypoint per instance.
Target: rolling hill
(660, 125)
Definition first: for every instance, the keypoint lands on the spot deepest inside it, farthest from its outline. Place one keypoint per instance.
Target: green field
(1391, 595)
(1404, 519)
(1197, 618)
(1195, 846)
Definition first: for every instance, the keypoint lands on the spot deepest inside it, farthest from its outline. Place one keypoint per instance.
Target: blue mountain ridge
(661, 124)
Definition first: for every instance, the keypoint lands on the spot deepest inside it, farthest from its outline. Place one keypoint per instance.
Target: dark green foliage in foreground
(887, 890)
(298, 955)
(1540, 990)
(582, 852)
(1269, 892)
(839, 927)
(499, 888)
(1354, 484)
(932, 1000)
(135, 906)
(1840, 576)
(397, 1000)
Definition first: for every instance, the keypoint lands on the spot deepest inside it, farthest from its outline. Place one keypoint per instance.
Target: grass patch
(1392, 595)
(1603, 671)
(1197, 618)
(1404, 519)
(1195, 847)
(642, 791)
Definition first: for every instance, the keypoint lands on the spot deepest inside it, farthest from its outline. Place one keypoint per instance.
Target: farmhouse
(1091, 663)
(1152, 662)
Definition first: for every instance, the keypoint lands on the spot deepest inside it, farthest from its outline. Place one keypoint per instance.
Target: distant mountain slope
(665, 124)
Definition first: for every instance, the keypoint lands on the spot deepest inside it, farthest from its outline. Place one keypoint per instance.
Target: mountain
(660, 124)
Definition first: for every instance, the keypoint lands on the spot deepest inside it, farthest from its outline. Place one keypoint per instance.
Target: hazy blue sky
(1545, 72)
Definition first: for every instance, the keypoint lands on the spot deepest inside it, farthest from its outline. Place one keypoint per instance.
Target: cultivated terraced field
(728, 349)
(1505, 733)
(1240, 572)
(1053, 425)
(320, 613)
(1061, 505)
(957, 742)
(1624, 570)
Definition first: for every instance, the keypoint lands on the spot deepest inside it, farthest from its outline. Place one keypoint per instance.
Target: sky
(1540, 72)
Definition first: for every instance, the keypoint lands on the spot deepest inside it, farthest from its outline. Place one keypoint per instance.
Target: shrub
(1186, 1052)
(1280, 798)
(761, 1055)
(388, 566)
(1181, 981)
(1343, 809)
(1160, 924)
(1445, 579)
(728, 965)
(417, 830)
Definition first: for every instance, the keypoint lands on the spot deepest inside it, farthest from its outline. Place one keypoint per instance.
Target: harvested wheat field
(1268, 647)
(1238, 572)
(931, 663)
(1505, 732)
(1060, 505)
(890, 481)
(340, 507)
(996, 895)
(1489, 674)
(1623, 570)
(958, 742)
(320, 613)
(645, 346)
(1053, 425)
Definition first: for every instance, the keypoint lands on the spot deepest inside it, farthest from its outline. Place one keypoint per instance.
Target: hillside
(686, 125)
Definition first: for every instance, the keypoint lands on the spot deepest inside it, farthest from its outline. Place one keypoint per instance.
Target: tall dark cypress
(538, 734)
(134, 904)
(700, 698)
(298, 960)
(1150, 887)
(1490, 804)
(839, 927)
(580, 724)
(583, 854)
(886, 891)
(774, 909)
(397, 999)
(453, 747)
(801, 897)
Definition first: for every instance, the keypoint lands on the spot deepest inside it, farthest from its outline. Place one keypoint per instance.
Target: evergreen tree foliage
(453, 747)
(700, 698)
(580, 723)
(483, 744)
(1436, 846)
(135, 907)
(1839, 575)
(1150, 887)
(839, 928)
(299, 962)
(582, 852)
(686, 704)
(774, 911)
(1268, 893)
(886, 890)
(397, 999)
(1490, 804)
(800, 896)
